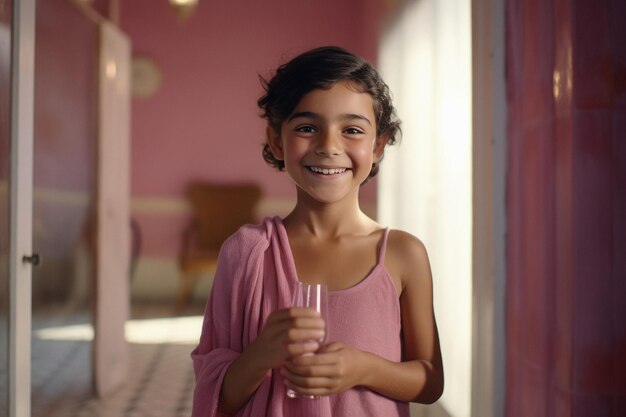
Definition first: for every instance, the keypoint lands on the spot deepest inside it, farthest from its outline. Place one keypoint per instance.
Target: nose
(328, 144)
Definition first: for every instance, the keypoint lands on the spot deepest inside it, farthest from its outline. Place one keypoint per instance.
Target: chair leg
(185, 291)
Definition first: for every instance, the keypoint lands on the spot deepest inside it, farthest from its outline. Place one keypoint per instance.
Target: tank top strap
(383, 247)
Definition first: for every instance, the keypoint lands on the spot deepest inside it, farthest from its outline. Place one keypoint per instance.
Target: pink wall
(203, 122)
(566, 332)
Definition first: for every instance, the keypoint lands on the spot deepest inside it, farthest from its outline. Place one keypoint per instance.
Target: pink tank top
(367, 316)
(255, 276)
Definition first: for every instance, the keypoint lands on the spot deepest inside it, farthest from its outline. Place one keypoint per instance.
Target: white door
(25, 195)
(17, 198)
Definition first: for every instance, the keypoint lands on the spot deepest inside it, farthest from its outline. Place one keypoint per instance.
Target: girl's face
(329, 142)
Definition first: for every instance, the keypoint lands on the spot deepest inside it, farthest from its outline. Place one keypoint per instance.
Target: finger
(308, 385)
(318, 359)
(302, 348)
(287, 320)
(319, 371)
(308, 322)
(296, 334)
(295, 329)
(313, 365)
(300, 312)
(333, 347)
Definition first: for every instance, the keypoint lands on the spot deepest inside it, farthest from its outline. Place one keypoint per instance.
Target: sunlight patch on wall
(425, 182)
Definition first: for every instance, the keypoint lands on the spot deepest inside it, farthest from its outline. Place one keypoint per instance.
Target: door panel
(5, 159)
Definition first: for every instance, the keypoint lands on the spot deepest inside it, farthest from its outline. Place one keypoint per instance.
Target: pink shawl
(254, 277)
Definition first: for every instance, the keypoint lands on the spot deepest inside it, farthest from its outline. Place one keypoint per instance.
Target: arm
(419, 377)
(419, 328)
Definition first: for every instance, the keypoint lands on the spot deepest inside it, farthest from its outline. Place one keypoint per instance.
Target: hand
(288, 333)
(336, 369)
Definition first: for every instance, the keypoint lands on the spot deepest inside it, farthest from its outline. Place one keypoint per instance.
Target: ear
(275, 143)
(379, 147)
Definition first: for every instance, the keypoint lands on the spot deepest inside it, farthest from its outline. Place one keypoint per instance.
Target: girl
(329, 118)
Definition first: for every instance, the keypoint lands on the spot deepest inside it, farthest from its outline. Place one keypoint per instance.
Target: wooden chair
(218, 210)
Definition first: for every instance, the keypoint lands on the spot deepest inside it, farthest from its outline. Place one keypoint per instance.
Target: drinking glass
(313, 296)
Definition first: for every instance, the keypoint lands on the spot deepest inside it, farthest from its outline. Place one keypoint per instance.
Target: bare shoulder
(407, 259)
(405, 248)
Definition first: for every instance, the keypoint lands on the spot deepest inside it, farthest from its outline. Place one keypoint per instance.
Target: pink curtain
(566, 208)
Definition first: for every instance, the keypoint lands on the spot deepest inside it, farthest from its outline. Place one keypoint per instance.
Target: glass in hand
(314, 296)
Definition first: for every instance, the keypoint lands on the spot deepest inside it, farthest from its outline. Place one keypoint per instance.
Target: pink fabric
(255, 276)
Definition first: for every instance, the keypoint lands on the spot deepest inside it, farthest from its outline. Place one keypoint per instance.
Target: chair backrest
(220, 209)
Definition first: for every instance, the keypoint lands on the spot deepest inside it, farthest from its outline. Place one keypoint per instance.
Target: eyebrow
(311, 115)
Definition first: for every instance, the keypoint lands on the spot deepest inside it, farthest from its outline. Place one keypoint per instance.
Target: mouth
(326, 171)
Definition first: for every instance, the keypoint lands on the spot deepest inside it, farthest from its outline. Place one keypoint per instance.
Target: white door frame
(21, 197)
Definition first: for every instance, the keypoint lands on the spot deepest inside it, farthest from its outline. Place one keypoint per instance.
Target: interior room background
(538, 275)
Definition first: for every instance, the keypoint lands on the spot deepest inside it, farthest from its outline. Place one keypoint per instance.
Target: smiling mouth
(327, 171)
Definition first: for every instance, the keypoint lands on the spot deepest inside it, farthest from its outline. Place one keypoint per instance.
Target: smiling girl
(329, 118)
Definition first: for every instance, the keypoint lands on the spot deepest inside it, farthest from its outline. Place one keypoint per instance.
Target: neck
(327, 219)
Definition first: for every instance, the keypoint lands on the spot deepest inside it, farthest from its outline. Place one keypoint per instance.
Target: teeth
(328, 171)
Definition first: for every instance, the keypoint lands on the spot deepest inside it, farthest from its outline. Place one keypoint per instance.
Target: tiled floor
(160, 381)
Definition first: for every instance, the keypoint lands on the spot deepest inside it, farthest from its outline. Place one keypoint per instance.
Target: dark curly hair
(322, 68)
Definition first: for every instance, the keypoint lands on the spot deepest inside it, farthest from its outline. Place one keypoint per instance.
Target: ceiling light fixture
(183, 8)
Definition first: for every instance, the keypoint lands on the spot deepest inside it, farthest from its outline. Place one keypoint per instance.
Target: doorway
(64, 193)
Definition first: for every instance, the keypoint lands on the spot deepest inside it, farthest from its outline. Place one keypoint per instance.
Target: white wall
(425, 184)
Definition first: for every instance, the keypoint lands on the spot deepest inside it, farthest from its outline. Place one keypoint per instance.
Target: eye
(353, 131)
(305, 129)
